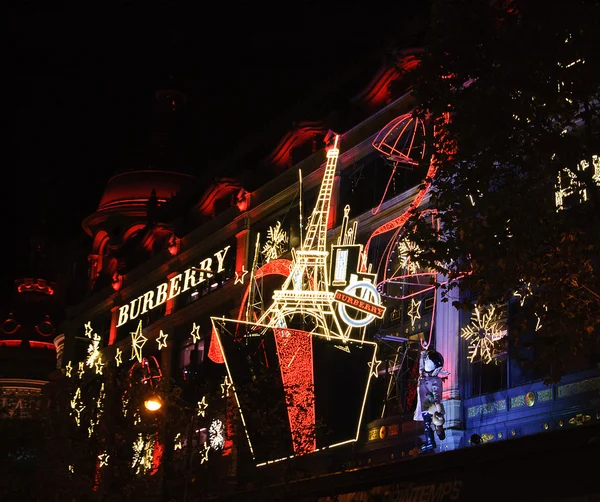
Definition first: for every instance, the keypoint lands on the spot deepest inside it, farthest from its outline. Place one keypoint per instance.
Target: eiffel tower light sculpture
(306, 290)
(300, 330)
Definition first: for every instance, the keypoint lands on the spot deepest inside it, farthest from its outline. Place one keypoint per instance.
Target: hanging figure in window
(430, 409)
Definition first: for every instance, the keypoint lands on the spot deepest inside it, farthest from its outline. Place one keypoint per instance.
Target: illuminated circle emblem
(216, 436)
(367, 292)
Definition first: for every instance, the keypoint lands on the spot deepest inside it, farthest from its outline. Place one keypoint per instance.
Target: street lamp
(153, 403)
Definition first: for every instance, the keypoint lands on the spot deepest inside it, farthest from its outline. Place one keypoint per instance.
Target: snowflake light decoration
(216, 434)
(405, 249)
(485, 330)
(93, 350)
(277, 238)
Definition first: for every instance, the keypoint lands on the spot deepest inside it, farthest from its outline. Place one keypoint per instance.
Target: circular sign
(369, 293)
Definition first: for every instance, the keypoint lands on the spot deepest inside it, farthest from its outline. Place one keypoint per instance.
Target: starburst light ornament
(216, 434)
(485, 330)
(277, 239)
(408, 263)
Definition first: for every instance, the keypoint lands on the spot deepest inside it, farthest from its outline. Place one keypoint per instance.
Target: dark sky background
(82, 77)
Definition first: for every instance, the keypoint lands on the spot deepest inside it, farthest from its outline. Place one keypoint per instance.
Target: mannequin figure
(430, 409)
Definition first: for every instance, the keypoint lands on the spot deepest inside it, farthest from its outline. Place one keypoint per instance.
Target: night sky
(82, 77)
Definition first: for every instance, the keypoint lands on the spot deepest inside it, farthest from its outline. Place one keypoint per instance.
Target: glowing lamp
(153, 403)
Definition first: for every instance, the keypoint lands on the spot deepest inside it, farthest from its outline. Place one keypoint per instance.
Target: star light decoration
(202, 405)
(216, 434)
(118, 357)
(225, 386)
(374, 367)
(162, 340)
(196, 337)
(99, 365)
(239, 276)
(103, 458)
(88, 329)
(485, 330)
(277, 239)
(414, 311)
(68, 369)
(137, 343)
(204, 452)
(81, 369)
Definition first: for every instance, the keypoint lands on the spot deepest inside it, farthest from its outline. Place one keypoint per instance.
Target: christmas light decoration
(93, 350)
(118, 357)
(196, 337)
(137, 343)
(99, 365)
(216, 434)
(523, 292)
(88, 329)
(103, 458)
(225, 386)
(239, 276)
(81, 370)
(277, 239)
(374, 366)
(100, 401)
(77, 406)
(568, 183)
(162, 340)
(414, 312)
(204, 453)
(143, 453)
(305, 297)
(482, 334)
(294, 348)
(177, 443)
(405, 249)
(202, 405)
(125, 401)
(68, 369)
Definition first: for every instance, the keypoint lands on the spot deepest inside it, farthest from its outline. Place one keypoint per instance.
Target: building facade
(276, 325)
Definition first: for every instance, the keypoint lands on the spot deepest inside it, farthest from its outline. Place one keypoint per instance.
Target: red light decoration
(150, 371)
(398, 222)
(32, 343)
(280, 266)
(305, 131)
(296, 364)
(215, 352)
(402, 140)
(29, 285)
(156, 456)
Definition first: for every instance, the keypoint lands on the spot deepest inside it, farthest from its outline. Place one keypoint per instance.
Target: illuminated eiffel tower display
(306, 290)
